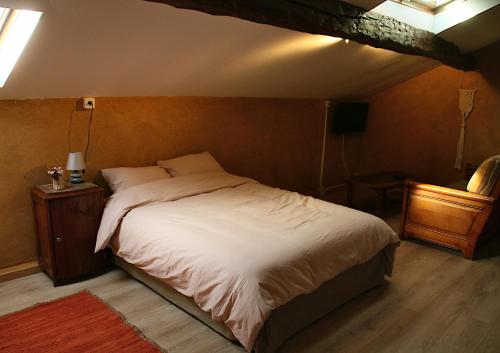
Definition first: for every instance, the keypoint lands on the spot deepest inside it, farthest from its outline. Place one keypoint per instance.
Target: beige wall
(414, 126)
(276, 141)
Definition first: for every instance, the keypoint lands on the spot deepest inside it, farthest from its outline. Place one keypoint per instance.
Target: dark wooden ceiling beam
(337, 19)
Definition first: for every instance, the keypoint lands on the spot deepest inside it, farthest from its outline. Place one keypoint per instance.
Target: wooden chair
(454, 218)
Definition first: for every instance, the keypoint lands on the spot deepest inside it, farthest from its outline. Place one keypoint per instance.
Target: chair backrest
(486, 179)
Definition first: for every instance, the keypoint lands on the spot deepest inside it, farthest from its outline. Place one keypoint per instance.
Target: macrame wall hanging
(466, 104)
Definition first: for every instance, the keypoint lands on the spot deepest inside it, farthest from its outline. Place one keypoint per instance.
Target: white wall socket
(88, 103)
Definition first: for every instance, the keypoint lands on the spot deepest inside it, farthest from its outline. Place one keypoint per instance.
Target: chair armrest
(449, 192)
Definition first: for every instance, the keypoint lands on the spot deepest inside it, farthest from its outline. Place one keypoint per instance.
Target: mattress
(239, 249)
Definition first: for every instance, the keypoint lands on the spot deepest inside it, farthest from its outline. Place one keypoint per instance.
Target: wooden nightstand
(67, 222)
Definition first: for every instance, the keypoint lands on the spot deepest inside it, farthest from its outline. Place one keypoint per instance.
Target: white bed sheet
(239, 248)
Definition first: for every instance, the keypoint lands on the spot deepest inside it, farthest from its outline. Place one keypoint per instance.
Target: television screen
(349, 117)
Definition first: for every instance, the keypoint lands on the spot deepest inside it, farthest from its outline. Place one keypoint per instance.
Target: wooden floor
(436, 301)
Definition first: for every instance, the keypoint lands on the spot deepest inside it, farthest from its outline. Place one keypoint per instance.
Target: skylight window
(16, 27)
(432, 6)
(434, 16)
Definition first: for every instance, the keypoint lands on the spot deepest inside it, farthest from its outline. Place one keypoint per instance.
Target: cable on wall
(69, 129)
(88, 134)
(323, 148)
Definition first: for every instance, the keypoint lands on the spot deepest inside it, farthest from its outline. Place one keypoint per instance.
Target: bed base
(185, 303)
(290, 318)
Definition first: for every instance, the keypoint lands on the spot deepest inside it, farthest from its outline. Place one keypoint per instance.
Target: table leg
(380, 202)
(350, 191)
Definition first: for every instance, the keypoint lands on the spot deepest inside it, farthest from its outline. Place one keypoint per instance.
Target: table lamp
(76, 166)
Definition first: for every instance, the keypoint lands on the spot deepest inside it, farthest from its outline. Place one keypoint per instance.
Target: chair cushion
(485, 178)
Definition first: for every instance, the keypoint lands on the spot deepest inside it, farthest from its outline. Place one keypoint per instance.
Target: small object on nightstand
(76, 165)
(56, 174)
(67, 222)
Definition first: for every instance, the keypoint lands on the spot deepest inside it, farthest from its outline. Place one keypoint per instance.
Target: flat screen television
(349, 117)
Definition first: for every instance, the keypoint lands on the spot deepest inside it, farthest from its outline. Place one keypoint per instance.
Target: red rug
(78, 323)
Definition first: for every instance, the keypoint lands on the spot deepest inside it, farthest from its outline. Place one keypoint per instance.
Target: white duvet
(239, 248)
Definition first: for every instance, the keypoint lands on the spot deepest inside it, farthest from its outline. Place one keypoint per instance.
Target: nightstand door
(75, 221)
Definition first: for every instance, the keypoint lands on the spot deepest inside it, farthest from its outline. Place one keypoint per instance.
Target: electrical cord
(69, 130)
(88, 134)
(323, 147)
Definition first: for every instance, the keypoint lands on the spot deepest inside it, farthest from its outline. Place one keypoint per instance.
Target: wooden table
(379, 182)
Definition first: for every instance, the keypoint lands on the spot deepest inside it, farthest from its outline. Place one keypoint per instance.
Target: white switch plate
(88, 103)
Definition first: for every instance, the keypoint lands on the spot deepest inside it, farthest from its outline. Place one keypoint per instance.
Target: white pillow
(191, 164)
(120, 179)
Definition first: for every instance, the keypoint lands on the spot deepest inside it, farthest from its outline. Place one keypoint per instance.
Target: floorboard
(436, 301)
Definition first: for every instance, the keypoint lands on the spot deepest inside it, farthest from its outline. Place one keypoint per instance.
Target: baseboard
(17, 271)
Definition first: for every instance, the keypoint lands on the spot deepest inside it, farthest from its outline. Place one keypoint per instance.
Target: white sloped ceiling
(138, 48)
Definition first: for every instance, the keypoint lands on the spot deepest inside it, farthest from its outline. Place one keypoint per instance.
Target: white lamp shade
(75, 161)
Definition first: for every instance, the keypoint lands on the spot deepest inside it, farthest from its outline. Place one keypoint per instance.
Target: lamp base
(76, 177)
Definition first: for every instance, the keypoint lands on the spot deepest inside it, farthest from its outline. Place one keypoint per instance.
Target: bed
(245, 258)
